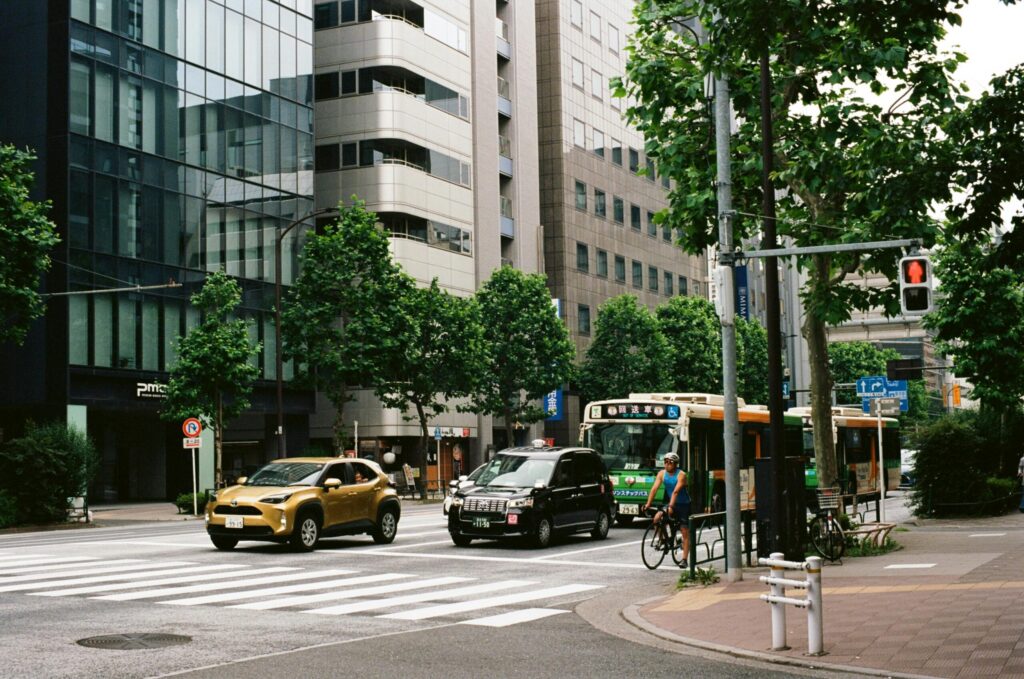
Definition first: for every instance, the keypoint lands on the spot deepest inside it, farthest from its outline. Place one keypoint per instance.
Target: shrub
(1004, 494)
(947, 469)
(7, 513)
(42, 469)
(184, 502)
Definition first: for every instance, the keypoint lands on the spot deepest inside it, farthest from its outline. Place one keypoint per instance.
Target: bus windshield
(630, 445)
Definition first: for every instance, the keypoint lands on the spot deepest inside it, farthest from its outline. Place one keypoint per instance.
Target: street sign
(872, 386)
(785, 389)
(191, 427)
(865, 404)
(437, 433)
(885, 406)
(195, 442)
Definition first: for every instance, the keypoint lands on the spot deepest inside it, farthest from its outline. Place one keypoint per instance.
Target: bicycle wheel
(651, 550)
(827, 537)
(838, 539)
(678, 555)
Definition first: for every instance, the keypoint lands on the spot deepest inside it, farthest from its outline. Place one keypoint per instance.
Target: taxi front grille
(485, 505)
(244, 510)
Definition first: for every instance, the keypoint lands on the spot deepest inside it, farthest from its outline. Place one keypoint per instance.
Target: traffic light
(915, 285)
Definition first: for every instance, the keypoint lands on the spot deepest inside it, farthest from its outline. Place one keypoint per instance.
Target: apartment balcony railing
(505, 156)
(504, 98)
(508, 223)
(504, 46)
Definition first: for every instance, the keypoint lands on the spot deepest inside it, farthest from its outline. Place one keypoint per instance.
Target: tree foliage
(26, 238)
(751, 359)
(627, 354)
(527, 347)
(441, 355)
(694, 340)
(341, 321)
(214, 374)
(849, 361)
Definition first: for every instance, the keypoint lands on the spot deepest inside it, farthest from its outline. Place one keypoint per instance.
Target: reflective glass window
(583, 314)
(620, 268)
(582, 258)
(80, 97)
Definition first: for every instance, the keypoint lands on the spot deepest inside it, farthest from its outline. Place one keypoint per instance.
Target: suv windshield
(515, 471)
(286, 474)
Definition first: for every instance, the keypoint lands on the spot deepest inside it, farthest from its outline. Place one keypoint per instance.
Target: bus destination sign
(635, 411)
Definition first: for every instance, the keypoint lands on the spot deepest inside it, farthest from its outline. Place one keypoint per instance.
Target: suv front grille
(244, 510)
(485, 505)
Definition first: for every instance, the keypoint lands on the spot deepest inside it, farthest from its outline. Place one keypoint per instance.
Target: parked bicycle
(826, 533)
(661, 539)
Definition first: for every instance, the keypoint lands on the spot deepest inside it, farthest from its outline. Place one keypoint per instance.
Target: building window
(600, 204)
(595, 26)
(652, 228)
(664, 181)
(582, 258)
(327, 158)
(638, 274)
(579, 133)
(598, 137)
(613, 39)
(682, 285)
(577, 73)
(652, 278)
(583, 316)
(618, 210)
(576, 13)
(696, 289)
(325, 15)
(349, 154)
(666, 233)
(651, 174)
(634, 160)
(634, 217)
(325, 86)
(602, 264)
(581, 196)
(616, 151)
(348, 83)
(596, 83)
(668, 283)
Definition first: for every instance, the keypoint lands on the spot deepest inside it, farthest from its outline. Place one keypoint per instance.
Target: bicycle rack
(778, 600)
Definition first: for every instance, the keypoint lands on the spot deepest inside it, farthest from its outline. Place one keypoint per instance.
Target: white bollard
(815, 617)
(778, 609)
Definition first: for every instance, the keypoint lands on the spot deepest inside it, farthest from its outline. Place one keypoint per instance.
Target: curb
(631, 614)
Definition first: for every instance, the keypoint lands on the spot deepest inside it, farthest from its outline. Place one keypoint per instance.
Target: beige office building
(427, 110)
(597, 207)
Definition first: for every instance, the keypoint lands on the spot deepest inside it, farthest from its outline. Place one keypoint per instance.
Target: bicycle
(826, 533)
(656, 544)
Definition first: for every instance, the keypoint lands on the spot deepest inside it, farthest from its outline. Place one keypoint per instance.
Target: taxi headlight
(521, 502)
(457, 501)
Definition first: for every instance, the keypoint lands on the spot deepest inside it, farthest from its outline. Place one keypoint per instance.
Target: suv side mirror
(463, 478)
(241, 480)
(540, 485)
(332, 483)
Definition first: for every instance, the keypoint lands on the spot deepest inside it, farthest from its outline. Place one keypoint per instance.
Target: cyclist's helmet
(672, 456)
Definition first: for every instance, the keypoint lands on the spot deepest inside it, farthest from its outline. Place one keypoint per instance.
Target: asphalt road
(420, 607)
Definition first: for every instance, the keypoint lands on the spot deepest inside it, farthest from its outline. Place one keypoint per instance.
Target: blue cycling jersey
(670, 486)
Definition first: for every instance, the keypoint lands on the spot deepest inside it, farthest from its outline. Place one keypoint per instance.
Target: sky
(991, 38)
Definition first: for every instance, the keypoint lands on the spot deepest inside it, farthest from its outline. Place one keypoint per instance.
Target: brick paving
(963, 617)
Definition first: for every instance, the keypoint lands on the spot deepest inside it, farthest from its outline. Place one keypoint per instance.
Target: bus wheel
(624, 520)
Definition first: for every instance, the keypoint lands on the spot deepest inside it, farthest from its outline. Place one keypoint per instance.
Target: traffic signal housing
(915, 285)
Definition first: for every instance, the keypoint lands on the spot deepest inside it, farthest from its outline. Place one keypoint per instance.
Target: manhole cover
(134, 641)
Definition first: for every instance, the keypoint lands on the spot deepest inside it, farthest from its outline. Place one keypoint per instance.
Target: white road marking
(212, 586)
(61, 566)
(987, 535)
(411, 544)
(105, 578)
(441, 595)
(232, 572)
(416, 535)
(268, 591)
(489, 602)
(129, 565)
(583, 551)
(493, 559)
(40, 561)
(352, 593)
(514, 617)
(909, 565)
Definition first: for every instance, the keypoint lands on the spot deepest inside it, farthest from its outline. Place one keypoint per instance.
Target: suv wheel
(223, 543)
(461, 540)
(306, 533)
(600, 531)
(542, 534)
(387, 527)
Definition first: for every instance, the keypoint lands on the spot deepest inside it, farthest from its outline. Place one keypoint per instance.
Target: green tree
(694, 337)
(342, 317)
(215, 372)
(26, 238)
(852, 167)
(527, 348)
(751, 361)
(627, 354)
(441, 355)
(849, 361)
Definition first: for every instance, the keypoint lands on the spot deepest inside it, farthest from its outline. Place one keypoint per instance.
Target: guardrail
(698, 524)
(778, 600)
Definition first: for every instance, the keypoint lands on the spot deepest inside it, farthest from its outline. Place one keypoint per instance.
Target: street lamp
(281, 233)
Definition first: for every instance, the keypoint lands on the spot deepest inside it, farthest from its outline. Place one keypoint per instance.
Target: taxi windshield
(286, 474)
(515, 471)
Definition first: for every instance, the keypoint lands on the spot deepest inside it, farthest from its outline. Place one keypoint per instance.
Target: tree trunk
(338, 428)
(218, 442)
(424, 442)
(511, 433)
(821, 388)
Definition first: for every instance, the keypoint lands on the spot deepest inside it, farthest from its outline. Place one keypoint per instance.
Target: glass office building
(175, 137)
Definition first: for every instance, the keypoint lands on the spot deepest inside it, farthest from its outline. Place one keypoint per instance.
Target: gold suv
(298, 500)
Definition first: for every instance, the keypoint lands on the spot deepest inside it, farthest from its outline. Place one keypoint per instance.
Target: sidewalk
(949, 604)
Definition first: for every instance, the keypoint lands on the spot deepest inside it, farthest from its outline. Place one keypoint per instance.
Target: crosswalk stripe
(40, 561)
(211, 586)
(4, 557)
(130, 565)
(350, 593)
(490, 602)
(514, 617)
(135, 575)
(233, 571)
(268, 591)
(374, 604)
(61, 566)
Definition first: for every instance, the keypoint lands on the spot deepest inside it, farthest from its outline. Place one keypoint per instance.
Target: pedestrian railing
(778, 600)
(712, 524)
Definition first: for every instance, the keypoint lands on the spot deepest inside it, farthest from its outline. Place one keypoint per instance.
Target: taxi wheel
(224, 544)
(461, 540)
(624, 519)
(542, 535)
(387, 527)
(306, 533)
(600, 531)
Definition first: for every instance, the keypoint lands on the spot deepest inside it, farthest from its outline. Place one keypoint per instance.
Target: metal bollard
(778, 609)
(815, 616)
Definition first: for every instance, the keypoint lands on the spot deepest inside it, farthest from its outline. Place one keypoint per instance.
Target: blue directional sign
(872, 386)
(878, 386)
(437, 433)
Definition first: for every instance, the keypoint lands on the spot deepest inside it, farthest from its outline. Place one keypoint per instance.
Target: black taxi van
(535, 492)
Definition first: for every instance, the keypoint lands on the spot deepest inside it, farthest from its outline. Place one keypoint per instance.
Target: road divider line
(514, 617)
(493, 559)
(352, 593)
(391, 602)
(411, 544)
(987, 535)
(896, 566)
(583, 551)
(489, 602)
(233, 571)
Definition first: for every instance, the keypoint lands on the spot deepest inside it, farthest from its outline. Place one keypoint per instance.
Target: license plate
(234, 522)
(631, 510)
(481, 522)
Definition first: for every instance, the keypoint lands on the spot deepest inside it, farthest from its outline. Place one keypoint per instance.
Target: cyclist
(678, 505)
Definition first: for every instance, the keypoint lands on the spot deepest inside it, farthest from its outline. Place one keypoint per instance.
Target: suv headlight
(457, 501)
(276, 499)
(521, 502)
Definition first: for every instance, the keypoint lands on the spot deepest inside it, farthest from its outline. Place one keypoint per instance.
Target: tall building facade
(174, 138)
(599, 191)
(426, 110)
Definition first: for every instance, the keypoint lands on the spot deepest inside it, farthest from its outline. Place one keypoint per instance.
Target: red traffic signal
(915, 285)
